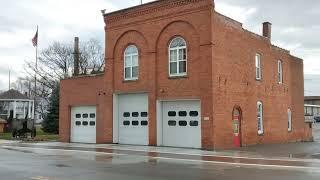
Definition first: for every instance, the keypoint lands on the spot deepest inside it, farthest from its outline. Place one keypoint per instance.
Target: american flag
(35, 39)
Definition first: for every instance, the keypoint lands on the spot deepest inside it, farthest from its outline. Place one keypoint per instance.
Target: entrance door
(236, 127)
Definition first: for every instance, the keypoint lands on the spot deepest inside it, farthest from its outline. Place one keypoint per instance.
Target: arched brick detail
(189, 34)
(176, 27)
(130, 37)
(126, 39)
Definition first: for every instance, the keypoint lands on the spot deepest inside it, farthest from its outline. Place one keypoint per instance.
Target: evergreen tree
(50, 123)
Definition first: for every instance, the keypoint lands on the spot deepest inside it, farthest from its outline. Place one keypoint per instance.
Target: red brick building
(180, 74)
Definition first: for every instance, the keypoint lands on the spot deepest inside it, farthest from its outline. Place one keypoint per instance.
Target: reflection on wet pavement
(155, 155)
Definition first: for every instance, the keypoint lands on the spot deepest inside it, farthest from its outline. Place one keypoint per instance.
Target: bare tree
(92, 57)
(56, 63)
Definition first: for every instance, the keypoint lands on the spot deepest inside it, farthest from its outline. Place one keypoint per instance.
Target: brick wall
(221, 73)
(80, 91)
(234, 84)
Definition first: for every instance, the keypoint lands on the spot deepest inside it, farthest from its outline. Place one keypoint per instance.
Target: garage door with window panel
(83, 124)
(133, 119)
(181, 124)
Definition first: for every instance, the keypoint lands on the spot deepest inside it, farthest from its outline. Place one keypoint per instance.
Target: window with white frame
(258, 67)
(131, 63)
(289, 120)
(178, 57)
(280, 78)
(260, 117)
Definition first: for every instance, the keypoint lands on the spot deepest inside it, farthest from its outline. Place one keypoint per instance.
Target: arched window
(289, 120)
(260, 117)
(178, 57)
(131, 63)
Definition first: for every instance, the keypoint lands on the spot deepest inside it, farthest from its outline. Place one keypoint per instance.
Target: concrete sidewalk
(307, 150)
(291, 150)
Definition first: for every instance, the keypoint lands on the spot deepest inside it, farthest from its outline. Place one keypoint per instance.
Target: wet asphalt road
(36, 162)
(41, 163)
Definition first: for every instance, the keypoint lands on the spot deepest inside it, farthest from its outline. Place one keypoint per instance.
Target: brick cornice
(157, 6)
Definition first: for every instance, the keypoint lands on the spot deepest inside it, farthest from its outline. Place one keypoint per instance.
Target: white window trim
(186, 60)
(280, 72)
(289, 120)
(260, 131)
(131, 67)
(258, 67)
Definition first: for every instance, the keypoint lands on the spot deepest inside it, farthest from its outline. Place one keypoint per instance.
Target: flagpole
(35, 79)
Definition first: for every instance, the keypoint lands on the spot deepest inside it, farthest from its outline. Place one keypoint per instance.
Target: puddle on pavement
(316, 156)
(111, 155)
(18, 150)
(61, 165)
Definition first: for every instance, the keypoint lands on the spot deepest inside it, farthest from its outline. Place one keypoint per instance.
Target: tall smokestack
(267, 30)
(76, 54)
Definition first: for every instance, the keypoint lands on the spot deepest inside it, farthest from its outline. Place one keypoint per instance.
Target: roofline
(311, 105)
(83, 76)
(129, 8)
(312, 98)
(16, 100)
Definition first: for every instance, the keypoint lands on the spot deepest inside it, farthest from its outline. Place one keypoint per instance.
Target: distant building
(312, 100)
(16, 105)
(311, 107)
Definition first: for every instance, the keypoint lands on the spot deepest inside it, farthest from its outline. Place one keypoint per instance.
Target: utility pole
(140, 1)
(9, 79)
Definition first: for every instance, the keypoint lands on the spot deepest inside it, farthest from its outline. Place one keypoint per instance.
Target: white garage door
(181, 124)
(83, 124)
(133, 119)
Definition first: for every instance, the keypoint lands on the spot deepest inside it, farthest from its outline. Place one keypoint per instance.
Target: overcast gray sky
(296, 26)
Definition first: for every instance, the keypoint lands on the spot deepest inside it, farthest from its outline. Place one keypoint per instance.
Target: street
(46, 161)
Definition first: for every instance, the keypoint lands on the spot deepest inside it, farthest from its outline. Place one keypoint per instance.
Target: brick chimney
(267, 30)
(76, 55)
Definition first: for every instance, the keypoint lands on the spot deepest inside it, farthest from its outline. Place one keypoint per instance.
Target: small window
(144, 123)
(92, 115)
(85, 123)
(144, 114)
(194, 113)
(260, 117)
(172, 113)
(194, 123)
(126, 123)
(78, 115)
(135, 123)
(258, 67)
(182, 113)
(289, 120)
(85, 115)
(172, 123)
(78, 123)
(126, 114)
(280, 78)
(135, 114)
(183, 123)
(92, 123)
